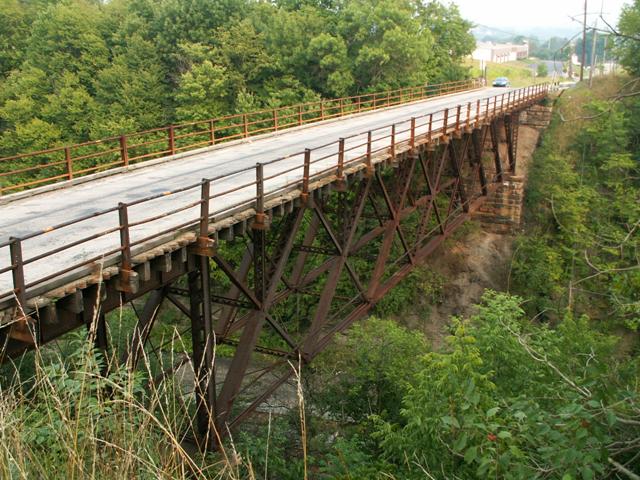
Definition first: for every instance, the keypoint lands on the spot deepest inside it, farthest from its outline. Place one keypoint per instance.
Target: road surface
(39, 212)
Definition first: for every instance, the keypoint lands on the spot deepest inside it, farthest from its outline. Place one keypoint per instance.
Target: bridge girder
(337, 251)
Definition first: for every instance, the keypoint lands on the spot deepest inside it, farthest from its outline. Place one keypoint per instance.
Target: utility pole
(584, 42)
(593, 53)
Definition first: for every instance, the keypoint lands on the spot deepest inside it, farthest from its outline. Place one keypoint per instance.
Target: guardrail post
(124, 150)
(478, 113)
(128, 281)
(430, 132)
(468, 114)
(245, 123)
(368, 159)
(172, 140)
(17, 272)
(275, 120)
(445, 121)
(204, 246)
(306, 172)
(67, 158)
(340, 183)
(393, 141)
(413, 133)
(458, 109)
(260, 220)
(212, 133)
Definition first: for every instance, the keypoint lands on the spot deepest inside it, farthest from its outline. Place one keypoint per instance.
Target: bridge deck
(24, 215)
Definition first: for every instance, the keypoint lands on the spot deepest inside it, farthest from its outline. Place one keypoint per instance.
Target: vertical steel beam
(264, 297)
(203, 339)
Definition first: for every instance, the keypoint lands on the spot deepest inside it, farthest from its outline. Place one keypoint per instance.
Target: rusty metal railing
(249, 188)
(19, 172)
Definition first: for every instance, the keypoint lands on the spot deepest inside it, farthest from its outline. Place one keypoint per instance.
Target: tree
(203, 92)
(543, 71)
(453, 41)
(388, 46)
(628, 43)
(509, 399)
(130, 92)
(367, 372)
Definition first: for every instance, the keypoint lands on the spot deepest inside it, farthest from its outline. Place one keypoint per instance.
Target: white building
(500, 52)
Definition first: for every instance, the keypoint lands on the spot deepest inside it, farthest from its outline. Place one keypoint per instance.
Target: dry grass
(68, 420)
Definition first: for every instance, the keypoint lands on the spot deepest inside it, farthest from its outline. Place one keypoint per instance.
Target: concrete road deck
(38, 212)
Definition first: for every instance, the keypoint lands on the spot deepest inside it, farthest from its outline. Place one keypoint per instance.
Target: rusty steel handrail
(451, 119)
(72, 161)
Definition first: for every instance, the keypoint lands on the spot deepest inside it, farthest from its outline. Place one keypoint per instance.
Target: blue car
(501, 82)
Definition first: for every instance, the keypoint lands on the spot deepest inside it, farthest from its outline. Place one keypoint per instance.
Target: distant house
(500, 52)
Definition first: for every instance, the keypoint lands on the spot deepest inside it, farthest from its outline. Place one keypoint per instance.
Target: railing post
(458, 117)
(67, 158)
(260, 221)
(413, 133)
(340, 172)
(430, 132)
(124, 150)
(245, 122)
(359, 103)
(478, 113)
(369, 163)
(172, 140)
(322, 109)
(299, 114)
(342, 107)
(17, 272)
(275, 120)
(128, 281)
(212, 132)
(306, 172)
(487, 109)
(389, 97)
(205, 246)
(393, 141)
(468, 114)
(445, 121)
(125, 241)
(205, 197)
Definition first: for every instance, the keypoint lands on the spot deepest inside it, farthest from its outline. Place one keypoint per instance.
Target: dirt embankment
(471, 264)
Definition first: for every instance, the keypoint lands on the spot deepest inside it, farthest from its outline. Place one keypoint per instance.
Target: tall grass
(65, 418)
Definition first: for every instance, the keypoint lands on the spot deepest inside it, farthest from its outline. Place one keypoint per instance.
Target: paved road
(38, 212)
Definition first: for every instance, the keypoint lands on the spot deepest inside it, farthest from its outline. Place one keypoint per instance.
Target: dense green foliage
(505, 398)
(84, 69)
(580, 253)
(629, 40)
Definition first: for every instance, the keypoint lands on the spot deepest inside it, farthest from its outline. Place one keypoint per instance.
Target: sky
(520, 14)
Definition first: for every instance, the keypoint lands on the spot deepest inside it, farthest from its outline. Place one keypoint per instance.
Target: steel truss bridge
(363, 189)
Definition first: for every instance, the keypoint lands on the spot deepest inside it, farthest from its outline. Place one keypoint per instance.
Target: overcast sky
(535, 13)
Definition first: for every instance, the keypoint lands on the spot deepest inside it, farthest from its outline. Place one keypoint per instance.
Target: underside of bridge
(279, 286)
